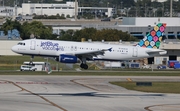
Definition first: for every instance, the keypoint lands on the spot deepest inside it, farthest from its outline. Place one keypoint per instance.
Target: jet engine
(68, 59)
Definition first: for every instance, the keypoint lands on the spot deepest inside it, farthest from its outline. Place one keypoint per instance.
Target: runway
(81, 93)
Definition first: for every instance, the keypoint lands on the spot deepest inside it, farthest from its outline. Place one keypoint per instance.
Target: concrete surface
(81, 93)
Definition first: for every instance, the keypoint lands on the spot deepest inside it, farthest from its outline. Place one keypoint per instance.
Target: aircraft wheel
(84, 66)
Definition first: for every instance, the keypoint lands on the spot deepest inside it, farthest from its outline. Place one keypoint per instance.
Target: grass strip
(95, 73)
(157, 87)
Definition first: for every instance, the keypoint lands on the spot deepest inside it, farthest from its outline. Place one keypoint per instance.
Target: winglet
(154, 37)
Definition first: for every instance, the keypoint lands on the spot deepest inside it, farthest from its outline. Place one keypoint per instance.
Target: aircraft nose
(14, 49)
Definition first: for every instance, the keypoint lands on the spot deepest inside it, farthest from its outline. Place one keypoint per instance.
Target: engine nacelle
(68, 58)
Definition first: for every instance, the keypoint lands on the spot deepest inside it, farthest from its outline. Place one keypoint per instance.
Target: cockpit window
(20, 43)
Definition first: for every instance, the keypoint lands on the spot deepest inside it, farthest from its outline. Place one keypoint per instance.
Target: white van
(27, 68)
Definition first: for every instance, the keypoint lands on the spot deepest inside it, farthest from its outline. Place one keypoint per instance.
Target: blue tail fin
(154, 37)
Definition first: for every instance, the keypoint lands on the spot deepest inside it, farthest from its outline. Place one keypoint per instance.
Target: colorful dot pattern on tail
(154, 37)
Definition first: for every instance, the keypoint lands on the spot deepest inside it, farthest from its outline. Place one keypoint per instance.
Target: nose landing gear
(31, 61)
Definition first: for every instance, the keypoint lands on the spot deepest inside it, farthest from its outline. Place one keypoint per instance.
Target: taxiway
(81, 93)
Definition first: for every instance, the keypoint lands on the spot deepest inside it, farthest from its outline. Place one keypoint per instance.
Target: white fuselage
(54, 48)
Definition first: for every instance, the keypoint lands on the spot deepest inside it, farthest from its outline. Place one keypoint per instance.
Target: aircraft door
(135, 52)
(72, 48)
(33, 45)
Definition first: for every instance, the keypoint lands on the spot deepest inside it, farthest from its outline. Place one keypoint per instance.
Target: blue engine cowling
(68, 58)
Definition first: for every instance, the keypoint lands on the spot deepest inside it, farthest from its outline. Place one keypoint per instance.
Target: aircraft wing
(91, 54)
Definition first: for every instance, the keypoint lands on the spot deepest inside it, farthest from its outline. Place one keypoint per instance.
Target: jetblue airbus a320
(71, 52)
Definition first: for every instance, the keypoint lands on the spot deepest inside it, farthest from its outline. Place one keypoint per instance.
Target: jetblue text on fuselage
(51, 46)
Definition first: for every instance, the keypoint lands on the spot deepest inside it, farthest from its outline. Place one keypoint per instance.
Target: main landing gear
(83, 64)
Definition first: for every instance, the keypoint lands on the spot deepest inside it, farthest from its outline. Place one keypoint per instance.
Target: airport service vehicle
(27, 68)
(171, 63)
(161, 67)
(177, 66)
(73, 52)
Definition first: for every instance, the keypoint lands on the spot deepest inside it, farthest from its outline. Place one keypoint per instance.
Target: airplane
(73, 52)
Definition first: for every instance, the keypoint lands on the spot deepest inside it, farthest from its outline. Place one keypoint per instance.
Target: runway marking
(5, 82)
(74, 81)
(31, 82)
(52, 103)
(129, 79)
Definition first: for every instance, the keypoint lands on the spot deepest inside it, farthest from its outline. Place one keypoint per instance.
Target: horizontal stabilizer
(156, 52)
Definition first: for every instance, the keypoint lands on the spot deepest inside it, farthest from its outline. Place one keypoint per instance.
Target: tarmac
(81, 93)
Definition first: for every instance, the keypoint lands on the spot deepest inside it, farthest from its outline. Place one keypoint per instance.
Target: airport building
(48, 9)
(67, 8)
(7, 11)
(97, 11)
(39, 9)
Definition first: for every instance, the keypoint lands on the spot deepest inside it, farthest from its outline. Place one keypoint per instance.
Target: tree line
(26, 29)
(40, 31)
(96, 35)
